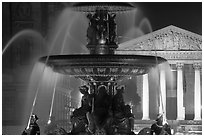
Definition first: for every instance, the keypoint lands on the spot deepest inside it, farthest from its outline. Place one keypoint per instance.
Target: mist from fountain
(60, 42)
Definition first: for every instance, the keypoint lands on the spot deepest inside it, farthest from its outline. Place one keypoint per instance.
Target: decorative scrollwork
(101, 70)
(89, 70)
(125, 70)
(113, 70)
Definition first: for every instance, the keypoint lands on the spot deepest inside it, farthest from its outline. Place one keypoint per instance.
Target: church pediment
(170, 38)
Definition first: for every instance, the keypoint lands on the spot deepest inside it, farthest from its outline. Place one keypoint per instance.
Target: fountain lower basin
(102, 67)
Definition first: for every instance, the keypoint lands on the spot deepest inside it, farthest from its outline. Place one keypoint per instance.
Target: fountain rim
(108, 60)
(116, 57)
(87, 7)
(92, 67)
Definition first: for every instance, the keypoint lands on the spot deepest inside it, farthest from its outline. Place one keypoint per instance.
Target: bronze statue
(33, 129)
(161, 127)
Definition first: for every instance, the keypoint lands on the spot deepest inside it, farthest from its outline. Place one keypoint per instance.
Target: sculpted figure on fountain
(92, 30)
(79, 117)
(161, 126)
(33, 128)
(123, 119)
(102, 113)
(102, 28)
(112, 28)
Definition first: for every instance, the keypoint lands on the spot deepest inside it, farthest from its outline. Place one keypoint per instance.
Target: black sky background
(185, 15)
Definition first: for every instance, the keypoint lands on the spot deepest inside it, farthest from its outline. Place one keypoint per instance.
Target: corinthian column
(145, 98)
(180, 108)
(197, 92)
(162, 107)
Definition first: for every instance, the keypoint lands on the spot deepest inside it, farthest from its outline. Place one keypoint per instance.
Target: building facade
(179, 81)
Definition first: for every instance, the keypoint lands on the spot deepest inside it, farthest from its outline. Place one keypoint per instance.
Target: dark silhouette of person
(33, 129)
(161, 127)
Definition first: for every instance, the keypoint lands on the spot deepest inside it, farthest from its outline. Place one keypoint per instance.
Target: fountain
(103, 110)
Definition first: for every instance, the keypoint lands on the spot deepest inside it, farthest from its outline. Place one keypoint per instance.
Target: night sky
(185, 15)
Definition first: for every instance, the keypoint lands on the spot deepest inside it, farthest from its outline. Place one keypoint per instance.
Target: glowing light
(102, 41)
(49, 121)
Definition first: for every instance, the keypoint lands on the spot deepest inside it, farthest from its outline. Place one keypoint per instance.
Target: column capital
(197, 65)
(179, 65)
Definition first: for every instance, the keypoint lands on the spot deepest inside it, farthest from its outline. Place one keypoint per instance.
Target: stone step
(183, 127)
(189, 129)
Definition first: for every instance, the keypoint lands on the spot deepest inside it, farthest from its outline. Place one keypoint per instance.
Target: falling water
(42, 97)
(23, 34)
(71, 27)
(62, 35)
(68, 36)
(145, 26)
(132, 30)
(53, 97)
(40, 83)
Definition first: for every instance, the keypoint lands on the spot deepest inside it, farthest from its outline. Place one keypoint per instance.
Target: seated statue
(123, 119)
(118, 103)
(101, 110)
(102, 114)
(33, 127)
(79, 119)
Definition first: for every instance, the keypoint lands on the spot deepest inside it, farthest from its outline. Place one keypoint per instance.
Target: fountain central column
(101, 32)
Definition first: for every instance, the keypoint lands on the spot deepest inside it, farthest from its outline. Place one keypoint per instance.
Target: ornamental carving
(89, 70)
(101, 70)
(197, 66)
(170, 38)
(135, 70)
(179, 65)
(125, 70)
(114, 70)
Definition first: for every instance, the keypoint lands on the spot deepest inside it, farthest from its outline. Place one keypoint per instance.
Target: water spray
(40, 81)
(24, 32)
(159, 91)
(53, 97)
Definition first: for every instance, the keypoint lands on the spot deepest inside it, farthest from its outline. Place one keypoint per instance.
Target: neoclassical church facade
(180, 84)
